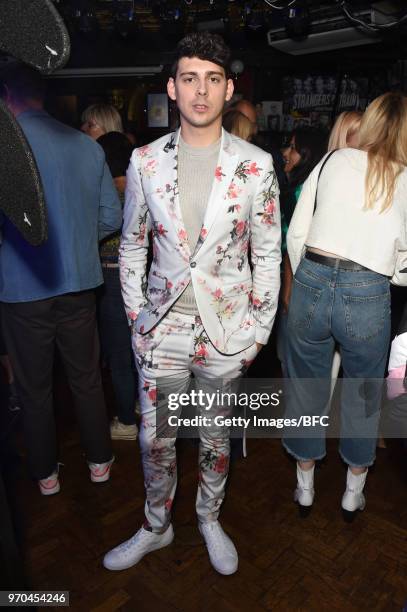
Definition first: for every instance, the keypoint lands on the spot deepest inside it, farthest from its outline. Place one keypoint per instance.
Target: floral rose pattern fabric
(242, 215)
(177, 346)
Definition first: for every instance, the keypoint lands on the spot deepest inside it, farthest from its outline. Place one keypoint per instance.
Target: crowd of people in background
(103, 123)
(343, 238)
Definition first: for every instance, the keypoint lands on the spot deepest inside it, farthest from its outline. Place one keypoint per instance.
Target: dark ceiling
(140, 32)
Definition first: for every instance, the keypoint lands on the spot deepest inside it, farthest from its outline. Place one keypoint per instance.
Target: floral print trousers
(178, 347)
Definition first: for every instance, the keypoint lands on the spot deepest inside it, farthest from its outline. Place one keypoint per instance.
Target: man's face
(200, 89)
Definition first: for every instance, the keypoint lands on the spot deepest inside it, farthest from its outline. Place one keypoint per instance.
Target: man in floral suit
(206, 196)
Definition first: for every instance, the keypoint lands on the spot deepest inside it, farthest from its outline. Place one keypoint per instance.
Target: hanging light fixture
(237, 67)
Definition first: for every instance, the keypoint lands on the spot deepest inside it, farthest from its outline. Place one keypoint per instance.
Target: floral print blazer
(236, 299)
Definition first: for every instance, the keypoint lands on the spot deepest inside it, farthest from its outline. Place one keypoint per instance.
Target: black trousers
(32, 330)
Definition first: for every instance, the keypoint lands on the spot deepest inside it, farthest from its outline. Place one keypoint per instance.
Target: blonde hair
(238, 124)
(383, 135)
(347, 124)
(106, 116)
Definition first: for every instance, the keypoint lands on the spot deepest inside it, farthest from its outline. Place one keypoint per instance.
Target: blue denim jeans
(281, 340)
(350, 308)
(115, 338)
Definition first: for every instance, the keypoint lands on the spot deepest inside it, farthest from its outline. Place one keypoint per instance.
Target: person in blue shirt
(47, 291)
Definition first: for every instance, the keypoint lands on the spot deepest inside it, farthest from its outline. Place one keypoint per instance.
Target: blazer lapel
(169, 175)
(218, 199)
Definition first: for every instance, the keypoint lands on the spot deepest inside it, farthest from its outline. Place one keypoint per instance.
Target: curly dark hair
(205, 46)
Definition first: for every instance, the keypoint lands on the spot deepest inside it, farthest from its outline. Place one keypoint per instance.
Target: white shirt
(342, 226)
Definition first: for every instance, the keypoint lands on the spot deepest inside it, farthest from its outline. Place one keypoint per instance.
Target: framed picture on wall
(273, 123)
(157, 110)
(271, 114)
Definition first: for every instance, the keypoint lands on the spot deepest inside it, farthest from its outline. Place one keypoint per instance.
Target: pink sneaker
(50, 485)
(100, 472)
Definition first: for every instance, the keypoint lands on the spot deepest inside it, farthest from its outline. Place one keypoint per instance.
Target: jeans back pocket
(365, 316)
(303, 302)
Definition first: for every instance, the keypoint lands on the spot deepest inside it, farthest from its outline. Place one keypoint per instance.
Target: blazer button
(193, 264)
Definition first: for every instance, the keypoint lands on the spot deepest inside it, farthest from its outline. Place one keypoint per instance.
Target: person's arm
(301, 220)
(400, 273)
(110, 210)
(134, 244)
(287, 284)
(265, 244)
(120, 184)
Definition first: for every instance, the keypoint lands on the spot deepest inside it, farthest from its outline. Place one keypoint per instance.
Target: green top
(284, 223)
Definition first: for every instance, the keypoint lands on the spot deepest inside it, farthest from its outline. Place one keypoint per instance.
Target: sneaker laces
(218, 536)
(129, 543)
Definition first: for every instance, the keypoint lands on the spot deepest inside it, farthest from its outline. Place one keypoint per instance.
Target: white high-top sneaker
(221, 550)
(304, 493)
(353, 498)
(132, 551)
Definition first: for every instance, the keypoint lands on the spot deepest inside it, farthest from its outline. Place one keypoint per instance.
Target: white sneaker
(120, 431)
(222, 551)
(132, 551)
(304, 493)
(353, 498)
(100, 472)
(50, 485)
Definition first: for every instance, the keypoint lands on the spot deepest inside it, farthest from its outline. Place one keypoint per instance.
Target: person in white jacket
(207, 196)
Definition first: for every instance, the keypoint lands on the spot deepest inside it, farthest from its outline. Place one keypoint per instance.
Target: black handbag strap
(319, 174)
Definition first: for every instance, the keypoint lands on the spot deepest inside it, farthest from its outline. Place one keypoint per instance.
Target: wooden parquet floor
(286, 563)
